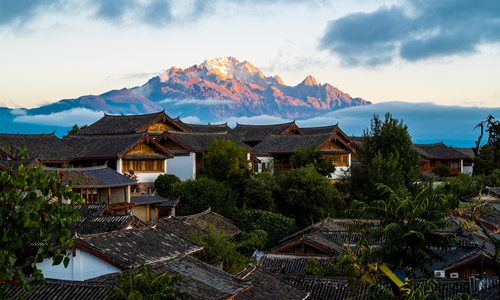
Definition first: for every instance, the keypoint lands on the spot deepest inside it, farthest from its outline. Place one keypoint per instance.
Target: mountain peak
(278, 79)
(310, 81)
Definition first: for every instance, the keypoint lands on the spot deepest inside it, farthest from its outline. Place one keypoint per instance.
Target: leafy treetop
(31, 224)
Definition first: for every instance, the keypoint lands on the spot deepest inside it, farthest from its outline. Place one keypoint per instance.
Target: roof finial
(53, 133)
(106, 163)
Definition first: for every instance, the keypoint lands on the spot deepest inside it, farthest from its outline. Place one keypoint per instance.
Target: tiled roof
(289, 264)
(337, 288)
(63, 290)
(286, 143)
(469, 152)
(91, 210)
(201, 220)
(256, 133)
(201, 280)
(108, 146)
(317, 130)
(484, 192)
(268, 286)
(45, 147)
(153, 199)
(438, 151)
(330, 224)
(113, 124)
(176, 225)
(199, 128)
(101, 224)
(132, 248)
(93, 177)
(200, 141)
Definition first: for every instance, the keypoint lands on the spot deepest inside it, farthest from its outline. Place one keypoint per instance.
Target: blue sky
(434, 64)
(443, 52)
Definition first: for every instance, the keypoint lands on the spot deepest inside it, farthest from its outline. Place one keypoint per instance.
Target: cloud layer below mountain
(65, 118)
(427, 122)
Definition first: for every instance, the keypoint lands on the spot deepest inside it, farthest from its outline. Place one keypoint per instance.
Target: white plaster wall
(148, 176)
(182, 166)
(468, 169)
(81, 267)
(119, 165)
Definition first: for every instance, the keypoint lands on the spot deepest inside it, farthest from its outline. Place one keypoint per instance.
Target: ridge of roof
(124, 116)
(266, 125)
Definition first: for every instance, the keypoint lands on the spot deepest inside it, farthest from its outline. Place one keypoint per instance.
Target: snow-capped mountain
(243, 90)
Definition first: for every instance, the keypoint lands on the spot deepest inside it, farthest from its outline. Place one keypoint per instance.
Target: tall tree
(387, 156)
(312, 156)
(408, 230)
(29, 218)
(307, 196)
(487, 161)
(222, 158)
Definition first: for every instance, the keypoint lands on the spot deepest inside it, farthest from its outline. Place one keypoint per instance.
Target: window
(143, 165)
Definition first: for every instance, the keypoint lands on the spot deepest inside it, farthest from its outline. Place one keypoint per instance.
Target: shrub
(259, 192)
(200, 194)
(307, 196)
(164, 184)
(442, 171)
(277, 226)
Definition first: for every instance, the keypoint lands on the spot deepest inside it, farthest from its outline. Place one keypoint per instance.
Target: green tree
(408, 228)
(220, 246)
(200, 194)
(164, 184)
(29, 219)
(146, 285)
(302, 157)
(486, 162)
(248, 242)
(222, 158)
(75, 129)
(259, 191)
(387, 156)
(458, 186)
(277, 226)
(442, 171)
(307, 196)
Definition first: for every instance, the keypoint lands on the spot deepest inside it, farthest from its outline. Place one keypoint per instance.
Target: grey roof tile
(45, 147)
(257, 133)
(114, 124)
(132, 248)
(63, 290)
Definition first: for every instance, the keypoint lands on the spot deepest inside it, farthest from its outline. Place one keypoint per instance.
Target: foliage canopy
(302, 157)
(30, 222)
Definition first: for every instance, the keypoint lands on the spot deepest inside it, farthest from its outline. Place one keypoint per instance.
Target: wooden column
(92, 196)
(109, 196)
(87, 197)
(157, 214)
(147, 213)
(125, 193)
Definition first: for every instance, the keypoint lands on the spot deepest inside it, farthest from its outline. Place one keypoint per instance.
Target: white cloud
(18, 111)
(192, 120)
(65, 118)
(258, 120)
(207, 102)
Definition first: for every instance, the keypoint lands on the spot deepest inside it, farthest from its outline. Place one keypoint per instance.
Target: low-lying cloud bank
(427, 122)
(80, 116)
